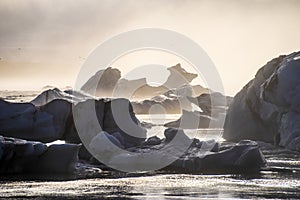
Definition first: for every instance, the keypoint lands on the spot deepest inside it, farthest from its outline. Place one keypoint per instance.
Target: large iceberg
(268, 107)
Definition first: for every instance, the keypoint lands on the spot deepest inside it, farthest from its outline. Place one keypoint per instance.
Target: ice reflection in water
(171, 186)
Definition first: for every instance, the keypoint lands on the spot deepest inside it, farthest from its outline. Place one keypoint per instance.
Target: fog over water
(46, 42)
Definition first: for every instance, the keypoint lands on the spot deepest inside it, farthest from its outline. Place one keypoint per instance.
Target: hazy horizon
(46, 42)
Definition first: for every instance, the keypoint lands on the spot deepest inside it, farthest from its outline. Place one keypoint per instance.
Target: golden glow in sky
(46, 42)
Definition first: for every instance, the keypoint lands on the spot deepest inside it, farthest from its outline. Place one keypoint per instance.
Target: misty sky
(44, 42)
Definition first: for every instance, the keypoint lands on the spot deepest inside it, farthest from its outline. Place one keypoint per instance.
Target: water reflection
(171, 186)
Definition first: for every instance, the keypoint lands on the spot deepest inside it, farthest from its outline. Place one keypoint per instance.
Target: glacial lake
(283, 182)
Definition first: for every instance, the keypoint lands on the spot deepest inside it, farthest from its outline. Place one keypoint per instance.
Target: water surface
(280, 179)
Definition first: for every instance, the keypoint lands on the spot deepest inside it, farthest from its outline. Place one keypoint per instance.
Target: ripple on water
(171, 186)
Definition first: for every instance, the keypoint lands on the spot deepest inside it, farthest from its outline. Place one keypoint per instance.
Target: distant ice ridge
(108, 83)
(52, 94)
